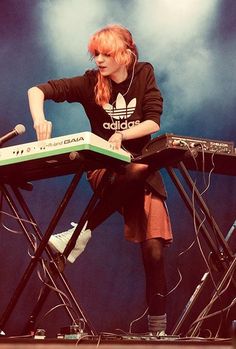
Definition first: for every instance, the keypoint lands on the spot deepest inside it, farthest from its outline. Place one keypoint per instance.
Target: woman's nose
(100, 58)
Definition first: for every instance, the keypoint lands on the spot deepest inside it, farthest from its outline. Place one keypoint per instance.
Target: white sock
(157, 324)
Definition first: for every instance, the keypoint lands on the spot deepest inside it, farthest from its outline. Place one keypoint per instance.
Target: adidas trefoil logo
(120, 111)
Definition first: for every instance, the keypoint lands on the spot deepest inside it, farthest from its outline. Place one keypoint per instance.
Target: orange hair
(116, 41)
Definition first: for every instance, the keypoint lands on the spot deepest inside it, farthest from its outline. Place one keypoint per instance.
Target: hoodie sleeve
(73, 89)
(152, 101)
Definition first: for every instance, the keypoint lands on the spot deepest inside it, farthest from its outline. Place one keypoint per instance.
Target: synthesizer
(198, 154)
(58, 156)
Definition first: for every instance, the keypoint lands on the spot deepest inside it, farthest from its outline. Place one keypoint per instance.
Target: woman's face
(109, 67)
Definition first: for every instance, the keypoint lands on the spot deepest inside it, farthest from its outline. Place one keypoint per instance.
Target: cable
(16, 218)
(63, 294)
(215, 313)
(218, 294)
(137, 319)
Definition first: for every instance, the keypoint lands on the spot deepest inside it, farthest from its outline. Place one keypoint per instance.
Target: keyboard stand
(53, 271)
(223, 260)
(9, 198)
(85, 216)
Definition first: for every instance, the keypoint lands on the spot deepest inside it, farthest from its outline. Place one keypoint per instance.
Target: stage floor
(169, 343)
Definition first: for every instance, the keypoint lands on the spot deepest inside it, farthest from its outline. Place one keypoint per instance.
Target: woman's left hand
(116, 139)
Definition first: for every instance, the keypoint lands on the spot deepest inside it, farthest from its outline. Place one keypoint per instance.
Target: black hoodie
(131, 102)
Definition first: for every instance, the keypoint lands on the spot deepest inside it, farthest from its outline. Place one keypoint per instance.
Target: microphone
(18, 130)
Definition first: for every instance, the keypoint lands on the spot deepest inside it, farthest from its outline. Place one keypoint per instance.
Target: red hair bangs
(106, 42)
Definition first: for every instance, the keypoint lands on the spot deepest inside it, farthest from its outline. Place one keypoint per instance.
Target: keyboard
(198, 154)
(58, 156)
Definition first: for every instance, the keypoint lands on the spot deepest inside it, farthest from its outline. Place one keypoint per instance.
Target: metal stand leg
(55, 272)
(29, 270)
(224, 259)
(87, 213)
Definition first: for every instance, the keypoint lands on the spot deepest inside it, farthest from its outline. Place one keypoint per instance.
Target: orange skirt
(146, 217)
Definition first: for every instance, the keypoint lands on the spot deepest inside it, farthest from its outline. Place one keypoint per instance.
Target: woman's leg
(119, 190)
(156, 289)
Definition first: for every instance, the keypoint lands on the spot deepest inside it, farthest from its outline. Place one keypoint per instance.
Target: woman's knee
(152, 251)
(136, 172)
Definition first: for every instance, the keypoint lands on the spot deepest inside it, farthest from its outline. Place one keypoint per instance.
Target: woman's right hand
(43, 129)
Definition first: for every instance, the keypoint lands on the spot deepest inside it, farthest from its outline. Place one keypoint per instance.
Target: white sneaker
(158, 334)
(58, 242)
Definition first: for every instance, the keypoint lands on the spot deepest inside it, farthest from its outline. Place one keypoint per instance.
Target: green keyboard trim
(54, 152)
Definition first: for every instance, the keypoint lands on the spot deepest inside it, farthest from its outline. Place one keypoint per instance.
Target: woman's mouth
(101, 67)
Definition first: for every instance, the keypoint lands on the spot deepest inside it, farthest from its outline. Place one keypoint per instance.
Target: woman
(123, 104)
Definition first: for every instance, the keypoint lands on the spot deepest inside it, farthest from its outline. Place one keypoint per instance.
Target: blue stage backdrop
(192, 46)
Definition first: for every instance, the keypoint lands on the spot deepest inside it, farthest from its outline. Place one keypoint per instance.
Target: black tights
(121, 190)
(153, 261)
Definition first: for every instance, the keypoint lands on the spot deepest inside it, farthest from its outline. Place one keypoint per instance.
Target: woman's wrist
(121, 134)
